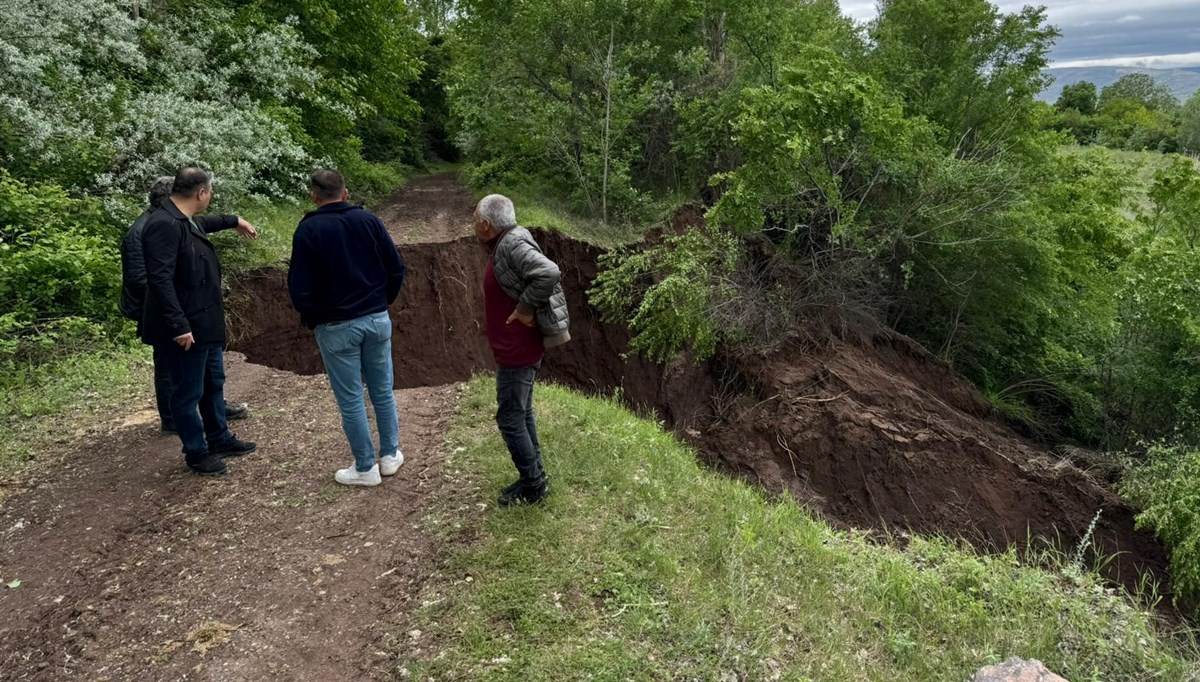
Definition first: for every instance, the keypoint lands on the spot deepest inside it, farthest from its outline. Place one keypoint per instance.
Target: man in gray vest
(526, 313)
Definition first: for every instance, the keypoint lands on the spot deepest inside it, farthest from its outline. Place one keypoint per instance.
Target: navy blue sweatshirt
(344, 265)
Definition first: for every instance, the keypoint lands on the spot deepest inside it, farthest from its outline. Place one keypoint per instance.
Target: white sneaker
(352, 476)
(390, 464)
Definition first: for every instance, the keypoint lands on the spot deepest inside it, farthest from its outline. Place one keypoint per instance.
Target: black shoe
(206, 464)
(511, 487)
(236, 412)
(232, 448)
(524, 493)
(168, 426)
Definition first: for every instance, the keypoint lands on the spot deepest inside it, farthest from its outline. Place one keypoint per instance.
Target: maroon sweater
(513, 344)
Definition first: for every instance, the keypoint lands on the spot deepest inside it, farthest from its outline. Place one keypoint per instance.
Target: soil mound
(873, 432)
(882, 435)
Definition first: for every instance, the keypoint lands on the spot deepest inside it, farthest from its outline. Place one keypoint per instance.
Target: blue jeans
(197, 379)
(354, 350)
(514, 416)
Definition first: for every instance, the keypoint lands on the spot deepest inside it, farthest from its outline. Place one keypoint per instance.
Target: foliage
(911, 180)
(1134, 113)
(98, 98)
(1140, 88)
(968, 68)
(1080, 97)
(103, 103)
(59, 272)
(1189, 125)
(1165, 482)
(368, 54)
(670, 296)
(614, 103)
(651, 567)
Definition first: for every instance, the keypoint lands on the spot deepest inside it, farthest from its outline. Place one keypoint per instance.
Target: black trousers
(514, 416)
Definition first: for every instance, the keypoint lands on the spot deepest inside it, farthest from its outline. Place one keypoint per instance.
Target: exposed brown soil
(884, 436)
(130, 566)
(875, 432)
(440, 339)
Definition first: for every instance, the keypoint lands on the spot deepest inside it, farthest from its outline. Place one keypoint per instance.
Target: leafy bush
(670, 295)
(1166, 484)
(101, 102)
(59, 274)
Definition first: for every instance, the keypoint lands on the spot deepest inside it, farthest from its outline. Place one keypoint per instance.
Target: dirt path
(431, 208)
(131, 568)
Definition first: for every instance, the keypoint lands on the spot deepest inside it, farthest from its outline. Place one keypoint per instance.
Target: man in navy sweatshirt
(345, 272)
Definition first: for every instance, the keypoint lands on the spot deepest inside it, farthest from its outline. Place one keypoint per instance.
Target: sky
(1149, 33)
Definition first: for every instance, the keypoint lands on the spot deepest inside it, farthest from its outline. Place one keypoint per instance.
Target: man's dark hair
(189, 181)
(161, 190)
(328, 184)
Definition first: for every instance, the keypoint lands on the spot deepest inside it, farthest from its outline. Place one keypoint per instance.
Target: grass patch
(643, 565)
(537, 208)
(276, 223)
(58, 401)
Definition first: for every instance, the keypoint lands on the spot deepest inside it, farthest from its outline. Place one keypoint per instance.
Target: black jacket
(183, 277)
(344, 265)
(133, 261)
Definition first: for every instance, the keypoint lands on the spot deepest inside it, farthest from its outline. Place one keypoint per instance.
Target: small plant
(1076, 566)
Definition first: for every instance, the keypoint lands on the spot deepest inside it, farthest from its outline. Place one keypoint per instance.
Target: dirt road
(132, 568)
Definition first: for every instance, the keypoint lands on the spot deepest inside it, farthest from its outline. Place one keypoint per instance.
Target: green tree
(1130, 124)
(1079, 96)
(1189, 124)
(1142, 88)
(964, 65)
(1080, 126)
(539, 97)
(59, 271)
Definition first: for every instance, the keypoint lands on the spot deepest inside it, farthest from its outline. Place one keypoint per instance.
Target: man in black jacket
(345, 272)
(184, 318)
(133, 296)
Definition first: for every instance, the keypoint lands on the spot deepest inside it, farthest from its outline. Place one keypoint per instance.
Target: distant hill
(1183, 82)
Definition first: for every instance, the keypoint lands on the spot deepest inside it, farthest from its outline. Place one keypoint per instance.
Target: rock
(1017, 670)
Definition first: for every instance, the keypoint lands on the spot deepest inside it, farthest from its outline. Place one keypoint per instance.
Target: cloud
(1138, 33)
(1161, 61)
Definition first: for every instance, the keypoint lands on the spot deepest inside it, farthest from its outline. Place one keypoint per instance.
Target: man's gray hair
(161, 190)
(498, 210)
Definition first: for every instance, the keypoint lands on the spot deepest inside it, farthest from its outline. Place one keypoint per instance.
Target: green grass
(58, 402)
(537, 208)
(276, 223)
(643, 565)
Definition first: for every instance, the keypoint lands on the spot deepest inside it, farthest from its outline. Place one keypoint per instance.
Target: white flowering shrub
(102, 103)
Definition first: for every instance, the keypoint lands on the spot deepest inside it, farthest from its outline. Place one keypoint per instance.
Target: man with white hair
(526, 313)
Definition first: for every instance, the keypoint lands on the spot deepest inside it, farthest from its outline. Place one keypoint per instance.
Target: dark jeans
(197, 398)
(514, 416)
(162, 389)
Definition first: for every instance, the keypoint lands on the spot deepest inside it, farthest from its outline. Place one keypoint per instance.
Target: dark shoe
(511, 487)
(206, 464)
(236, 412)
(232, 448)
(524, 493)
(168, 426)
